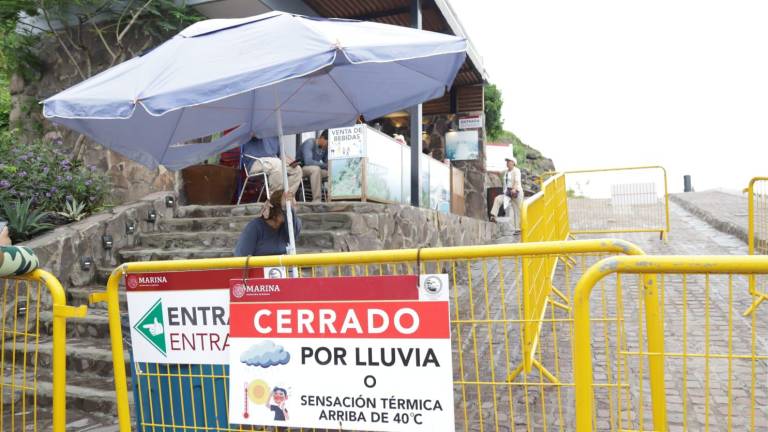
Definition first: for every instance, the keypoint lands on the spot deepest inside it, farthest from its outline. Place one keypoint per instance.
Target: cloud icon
(265, 354)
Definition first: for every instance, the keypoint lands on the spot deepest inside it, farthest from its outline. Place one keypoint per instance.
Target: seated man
(268, 234)
(268, 150)
(314, 155)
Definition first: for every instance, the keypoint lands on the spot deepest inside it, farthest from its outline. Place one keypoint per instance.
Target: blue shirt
(311, 154)
(260, 239)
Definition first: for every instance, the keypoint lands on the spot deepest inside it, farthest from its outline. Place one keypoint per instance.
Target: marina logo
(134, 281)
(238, 290)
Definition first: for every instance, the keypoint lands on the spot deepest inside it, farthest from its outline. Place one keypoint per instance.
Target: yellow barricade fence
(544, 217)
(757, 234)
(614, 200)
(34, 313)
(659, 344)
(487, 330)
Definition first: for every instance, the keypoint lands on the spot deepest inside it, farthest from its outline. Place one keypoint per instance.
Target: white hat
(512, 158)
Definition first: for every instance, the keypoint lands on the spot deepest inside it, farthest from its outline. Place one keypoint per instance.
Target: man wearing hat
(512, 196)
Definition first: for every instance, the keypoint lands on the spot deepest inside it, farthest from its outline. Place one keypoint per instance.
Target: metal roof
(437, 16)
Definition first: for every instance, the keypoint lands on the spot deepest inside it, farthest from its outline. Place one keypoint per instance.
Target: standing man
(512, 197)
(268, 152)
(314, 157)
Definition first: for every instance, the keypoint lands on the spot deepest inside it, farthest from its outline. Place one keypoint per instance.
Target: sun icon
(258, 392)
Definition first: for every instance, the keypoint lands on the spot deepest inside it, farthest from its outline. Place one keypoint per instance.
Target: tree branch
(61, 41)
(104, 41)
(133, 20)
(120, 20)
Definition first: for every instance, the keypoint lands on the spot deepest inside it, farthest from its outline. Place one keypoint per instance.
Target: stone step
(134, 255)
(315, 221)
(79, 296)
(228, 240)
(95, 325)
(77, 420)
(196, 211)
(84, 357)
(83, 392)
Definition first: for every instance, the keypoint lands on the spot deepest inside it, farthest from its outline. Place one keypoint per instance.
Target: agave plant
(23, 221)
(74, 210)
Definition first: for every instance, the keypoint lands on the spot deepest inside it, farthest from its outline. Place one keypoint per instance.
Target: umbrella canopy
(255, 75)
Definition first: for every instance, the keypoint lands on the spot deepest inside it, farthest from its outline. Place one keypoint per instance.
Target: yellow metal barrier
(487, 326)
(544, 217)
(626, 204)
(696, 364)
(24, 300)
(757, 204)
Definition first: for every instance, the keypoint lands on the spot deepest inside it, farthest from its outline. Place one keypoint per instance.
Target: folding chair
(257, 170)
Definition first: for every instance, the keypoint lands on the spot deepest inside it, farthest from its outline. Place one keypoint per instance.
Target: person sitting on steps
(268, 233)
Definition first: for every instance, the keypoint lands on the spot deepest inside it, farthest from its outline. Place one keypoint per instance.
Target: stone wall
(60, 250)
(130, 180)
(372, 226)
(394, 226)
(474, 170)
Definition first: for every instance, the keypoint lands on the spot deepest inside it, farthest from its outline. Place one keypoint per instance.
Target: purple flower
(5, 184)
(23, 157)
(22, 173)
(45, 170)
(69, 178)
(47, 194)
(69, 197)
(88, 182)
(92, 167)
(54, 189)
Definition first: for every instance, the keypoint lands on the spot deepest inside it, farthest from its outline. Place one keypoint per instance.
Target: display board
(183, 317)
(439, 186)
(347, 142)
(462, 145)
(384, 169)
(354, 353)
(383, 172)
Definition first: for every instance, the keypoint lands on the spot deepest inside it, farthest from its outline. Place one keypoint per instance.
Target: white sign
(359, 353)
(462, 145)
(474, 122)
(347, 142)
(183, 317)
(175, 327)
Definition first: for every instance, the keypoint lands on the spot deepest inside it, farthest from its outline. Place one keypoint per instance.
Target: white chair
(257, 169)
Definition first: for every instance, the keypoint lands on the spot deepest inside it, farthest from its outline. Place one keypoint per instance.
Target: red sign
(298, 345)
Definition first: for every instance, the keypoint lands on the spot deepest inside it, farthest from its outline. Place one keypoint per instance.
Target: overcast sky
(590, 83)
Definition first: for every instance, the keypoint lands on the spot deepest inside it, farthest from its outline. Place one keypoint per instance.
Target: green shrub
(23, 221)
(44, 174)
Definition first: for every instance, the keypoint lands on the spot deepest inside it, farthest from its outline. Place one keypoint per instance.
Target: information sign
(361, 353)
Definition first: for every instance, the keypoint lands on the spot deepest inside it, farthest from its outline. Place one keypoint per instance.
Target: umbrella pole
(291, 249)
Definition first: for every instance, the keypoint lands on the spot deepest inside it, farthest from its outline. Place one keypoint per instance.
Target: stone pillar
(475, 181)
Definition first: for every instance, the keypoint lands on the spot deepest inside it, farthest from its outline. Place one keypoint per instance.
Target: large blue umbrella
(267, 75)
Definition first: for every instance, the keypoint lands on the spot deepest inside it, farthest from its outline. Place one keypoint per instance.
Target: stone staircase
(210, 232)
(194, 232)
